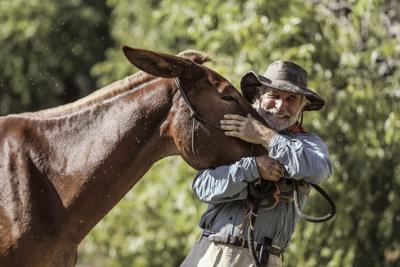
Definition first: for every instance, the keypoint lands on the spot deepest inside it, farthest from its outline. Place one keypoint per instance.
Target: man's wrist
(267, 137)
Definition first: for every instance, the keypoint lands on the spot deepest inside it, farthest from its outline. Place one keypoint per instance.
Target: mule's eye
(229, 98)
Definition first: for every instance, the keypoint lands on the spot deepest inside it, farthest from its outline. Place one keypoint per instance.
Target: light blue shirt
(303, 156)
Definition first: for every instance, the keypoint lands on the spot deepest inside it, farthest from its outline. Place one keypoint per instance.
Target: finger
(278, 169)
(230, 127)
(232, 133)
(281, 169)
(277, 194)
(233, 122)
(235, 134)
(271, 178)
(276, 165)
(234, 116)
(276, 178)
(276, 174)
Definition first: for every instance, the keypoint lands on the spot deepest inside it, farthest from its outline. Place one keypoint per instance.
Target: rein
(310, 218)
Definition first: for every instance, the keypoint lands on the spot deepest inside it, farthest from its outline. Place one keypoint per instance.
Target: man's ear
(157, 64)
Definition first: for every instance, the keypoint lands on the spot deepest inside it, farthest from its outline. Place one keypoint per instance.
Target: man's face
(279, 108)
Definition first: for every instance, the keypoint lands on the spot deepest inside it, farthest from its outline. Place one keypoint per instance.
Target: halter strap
(193, 113)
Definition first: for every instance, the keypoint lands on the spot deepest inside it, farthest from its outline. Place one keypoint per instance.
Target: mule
(63, 169)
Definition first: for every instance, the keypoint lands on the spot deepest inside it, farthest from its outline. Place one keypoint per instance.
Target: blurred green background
(54, 52)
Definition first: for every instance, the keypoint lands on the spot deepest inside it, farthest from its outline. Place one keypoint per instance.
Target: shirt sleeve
(225, 183)
(303, 156)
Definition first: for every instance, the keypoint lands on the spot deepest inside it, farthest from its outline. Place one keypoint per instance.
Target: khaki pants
(208, 254)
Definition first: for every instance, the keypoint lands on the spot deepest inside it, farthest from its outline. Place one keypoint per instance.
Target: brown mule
(63, 169)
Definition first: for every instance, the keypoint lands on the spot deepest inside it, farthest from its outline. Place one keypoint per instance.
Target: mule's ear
(154, 63)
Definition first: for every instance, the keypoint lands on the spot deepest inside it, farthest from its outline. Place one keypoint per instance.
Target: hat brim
(251, 80)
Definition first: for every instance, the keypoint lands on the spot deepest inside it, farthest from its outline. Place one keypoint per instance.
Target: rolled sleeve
(225, 183)
(303, 156)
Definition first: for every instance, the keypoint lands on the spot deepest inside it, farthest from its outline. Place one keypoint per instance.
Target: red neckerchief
(294, 129)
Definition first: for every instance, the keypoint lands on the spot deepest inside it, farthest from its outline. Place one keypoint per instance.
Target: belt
(238, 242)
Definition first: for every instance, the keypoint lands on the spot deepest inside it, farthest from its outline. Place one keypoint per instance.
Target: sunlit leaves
(350, 53)
(351, 50)
(47, 50)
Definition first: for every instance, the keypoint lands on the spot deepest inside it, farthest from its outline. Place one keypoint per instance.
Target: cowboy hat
(281, 75)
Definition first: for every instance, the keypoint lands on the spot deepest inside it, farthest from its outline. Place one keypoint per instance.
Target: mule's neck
(98, 155)
(107, 92)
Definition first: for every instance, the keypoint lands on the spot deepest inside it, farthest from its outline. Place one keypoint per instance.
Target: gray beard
(273, 122)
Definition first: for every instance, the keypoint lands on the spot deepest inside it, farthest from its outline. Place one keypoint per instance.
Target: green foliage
(350, 49)
(47, 50)
(154, 225)
(350, 52)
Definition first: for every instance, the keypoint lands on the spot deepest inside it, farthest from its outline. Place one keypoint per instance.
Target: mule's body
(63, 169)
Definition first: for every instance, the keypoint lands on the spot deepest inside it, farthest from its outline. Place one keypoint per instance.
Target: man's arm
(225, 183)
(303, 156)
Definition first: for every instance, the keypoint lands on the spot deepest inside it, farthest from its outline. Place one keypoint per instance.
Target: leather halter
(193, 113)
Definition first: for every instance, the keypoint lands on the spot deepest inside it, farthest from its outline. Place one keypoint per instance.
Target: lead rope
(253, 203)
(253, 210)
(310, 218)
(257, 193)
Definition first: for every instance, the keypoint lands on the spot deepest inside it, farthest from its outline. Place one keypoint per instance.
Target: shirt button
(230, 218)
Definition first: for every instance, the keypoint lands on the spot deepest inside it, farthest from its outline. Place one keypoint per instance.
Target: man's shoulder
(305, 136)
(300, 134)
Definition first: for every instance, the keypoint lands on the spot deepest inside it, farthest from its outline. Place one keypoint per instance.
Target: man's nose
(280, 105)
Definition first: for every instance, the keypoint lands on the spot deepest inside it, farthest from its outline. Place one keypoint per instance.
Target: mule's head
(211, 96)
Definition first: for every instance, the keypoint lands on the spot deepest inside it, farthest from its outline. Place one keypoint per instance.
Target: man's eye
(229, 98)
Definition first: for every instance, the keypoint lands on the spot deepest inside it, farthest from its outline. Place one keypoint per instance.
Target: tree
(48, 49)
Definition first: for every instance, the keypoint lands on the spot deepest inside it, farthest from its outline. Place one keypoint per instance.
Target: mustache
(275, 111)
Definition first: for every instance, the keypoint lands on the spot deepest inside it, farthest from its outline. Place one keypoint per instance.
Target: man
(280, 96)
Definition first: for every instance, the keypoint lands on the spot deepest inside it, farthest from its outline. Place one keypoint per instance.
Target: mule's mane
(195, 56)
(138, 79)
(118, 87)
(99, 95)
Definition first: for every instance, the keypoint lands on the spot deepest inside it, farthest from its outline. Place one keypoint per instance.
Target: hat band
(284, 76)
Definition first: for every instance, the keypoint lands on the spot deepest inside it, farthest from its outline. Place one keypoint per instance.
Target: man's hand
(269, 169)
(247, 129)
